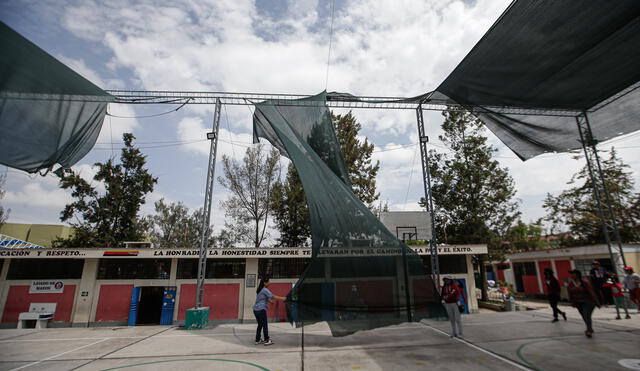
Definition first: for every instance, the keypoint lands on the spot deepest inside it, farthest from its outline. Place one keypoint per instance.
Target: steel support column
(601, 194)
(426, 180)
(206, 212)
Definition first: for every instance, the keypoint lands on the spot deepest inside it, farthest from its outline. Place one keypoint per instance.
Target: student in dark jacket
(583, 297)
(553, 294)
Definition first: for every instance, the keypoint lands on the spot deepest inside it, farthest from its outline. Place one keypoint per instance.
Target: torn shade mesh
(360, 275)
(49, 114)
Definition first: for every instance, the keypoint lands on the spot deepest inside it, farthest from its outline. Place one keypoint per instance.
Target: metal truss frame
(601, 193)
(208, 196)
(419, 104)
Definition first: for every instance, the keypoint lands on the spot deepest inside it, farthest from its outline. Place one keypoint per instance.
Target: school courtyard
(525, 340)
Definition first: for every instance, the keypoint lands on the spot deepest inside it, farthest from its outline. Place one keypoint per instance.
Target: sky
(378, 48)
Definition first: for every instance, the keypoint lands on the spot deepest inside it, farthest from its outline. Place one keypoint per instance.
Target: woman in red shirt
(583, 297)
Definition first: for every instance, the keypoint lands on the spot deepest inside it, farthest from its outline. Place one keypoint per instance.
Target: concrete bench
(40, 312)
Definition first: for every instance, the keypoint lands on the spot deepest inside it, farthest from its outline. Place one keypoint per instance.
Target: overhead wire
(226, 115)
(155, 114)
(326, 81)
(413, 161)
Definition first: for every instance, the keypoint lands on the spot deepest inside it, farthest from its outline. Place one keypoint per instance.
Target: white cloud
(193, 131)
(37, 195)
(402, 48)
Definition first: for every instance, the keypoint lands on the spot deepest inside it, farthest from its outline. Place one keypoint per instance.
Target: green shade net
(49, 114)
(360, 276)
(574, 56)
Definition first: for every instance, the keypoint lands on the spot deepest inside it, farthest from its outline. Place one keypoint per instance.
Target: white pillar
(538, 277)
(249, 297)
(4, 284)
(85, 294)
(174, 272)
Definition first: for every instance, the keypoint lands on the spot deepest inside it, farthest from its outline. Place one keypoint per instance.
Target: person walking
(451, 295)
(618, 296)
(583, 297)
(553, 294)
(632, 283)
(598, 276)
(263, 298)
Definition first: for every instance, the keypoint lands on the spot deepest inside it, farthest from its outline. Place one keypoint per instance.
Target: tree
(357, 158)
(291, 212)
(251, 183)
(111, 218)
(524, 237)
(4, 213)
(173, 226)
(473, 196)
(576, 208)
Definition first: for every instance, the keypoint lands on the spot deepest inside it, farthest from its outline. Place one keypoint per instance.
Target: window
(122, 269)
(449, 264)
(216, 268)
(282, 268)
(370, 266)
(584, 265)
(43, 269)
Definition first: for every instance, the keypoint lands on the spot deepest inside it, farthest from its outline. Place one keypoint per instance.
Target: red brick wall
(563, 267)
(530, 284)
(221, 298)
(114, 302)
(19, 299)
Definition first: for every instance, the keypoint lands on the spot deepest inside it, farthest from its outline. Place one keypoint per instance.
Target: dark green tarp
(360, 276)
(553, 55)
(49, 114)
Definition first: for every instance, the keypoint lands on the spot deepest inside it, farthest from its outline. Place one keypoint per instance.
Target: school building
(524, 270)
(115, 287)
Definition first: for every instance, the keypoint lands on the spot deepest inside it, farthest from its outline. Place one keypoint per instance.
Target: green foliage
(107, 220)
(357, 157)
(291, 213)
(174, 226)
(416, 242)
(251, 184)
(473, 196)
(524, 237)
(576, 209)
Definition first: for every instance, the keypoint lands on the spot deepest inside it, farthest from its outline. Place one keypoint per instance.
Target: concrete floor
(493, 341)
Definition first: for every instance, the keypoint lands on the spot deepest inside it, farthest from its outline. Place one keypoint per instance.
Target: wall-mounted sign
(234, 253)
(46, 287)
(84, 293)
(251, 280)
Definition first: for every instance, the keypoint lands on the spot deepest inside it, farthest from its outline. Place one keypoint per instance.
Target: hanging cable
(154, 115)
(406, 196)
(326, 81)
(226, 115)
(111, 133)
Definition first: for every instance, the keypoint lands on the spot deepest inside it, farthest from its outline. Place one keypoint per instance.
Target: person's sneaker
(554, 320)
(268, 342)
(588, 334)
(259, 342)
(618, 317)
(627, 317)
(564, 315)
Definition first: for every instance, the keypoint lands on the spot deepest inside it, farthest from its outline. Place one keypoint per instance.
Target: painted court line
(494, 355)
(58, 355)
(70, 339)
